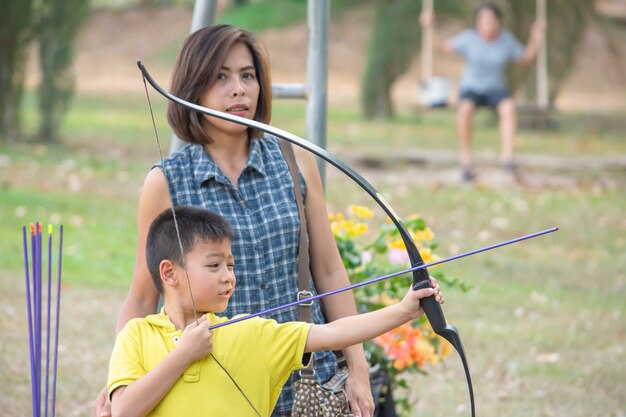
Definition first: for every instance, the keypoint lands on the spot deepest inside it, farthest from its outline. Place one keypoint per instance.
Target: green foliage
(54, 24)
(566, 23)
(261, 15)
(395, 37)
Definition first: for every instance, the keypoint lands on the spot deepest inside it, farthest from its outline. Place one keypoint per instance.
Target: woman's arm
(143, 296)
(329, 274)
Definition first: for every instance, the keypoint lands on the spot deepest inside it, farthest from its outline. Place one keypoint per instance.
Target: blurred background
(544, 324)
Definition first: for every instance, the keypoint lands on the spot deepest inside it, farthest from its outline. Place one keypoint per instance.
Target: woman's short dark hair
(497, 11)
(194, 224)
(198, 64)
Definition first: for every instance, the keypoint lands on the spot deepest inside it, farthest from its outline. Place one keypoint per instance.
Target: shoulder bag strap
(304, 310)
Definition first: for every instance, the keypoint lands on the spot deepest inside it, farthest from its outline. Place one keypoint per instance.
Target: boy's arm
(427, 21)
(357, 329)
(537, 33)
(141, 396)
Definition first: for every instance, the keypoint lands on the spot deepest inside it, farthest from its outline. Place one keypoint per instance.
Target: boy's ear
(167, 271)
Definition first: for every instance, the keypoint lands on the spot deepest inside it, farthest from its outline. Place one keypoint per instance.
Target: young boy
(168, 364)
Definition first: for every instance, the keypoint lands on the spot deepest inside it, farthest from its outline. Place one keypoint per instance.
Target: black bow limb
(421, 278)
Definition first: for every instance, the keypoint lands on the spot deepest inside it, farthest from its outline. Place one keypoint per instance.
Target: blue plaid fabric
(264, 215)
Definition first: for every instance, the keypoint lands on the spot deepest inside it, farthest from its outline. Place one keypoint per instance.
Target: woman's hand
(360, 393)
(101, 407)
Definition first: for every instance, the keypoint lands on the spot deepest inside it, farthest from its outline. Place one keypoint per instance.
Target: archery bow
(421, 279)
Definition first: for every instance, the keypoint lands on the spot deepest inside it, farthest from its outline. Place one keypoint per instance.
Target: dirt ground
(112, 40)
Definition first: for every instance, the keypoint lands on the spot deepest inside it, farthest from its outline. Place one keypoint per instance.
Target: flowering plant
(410, 347)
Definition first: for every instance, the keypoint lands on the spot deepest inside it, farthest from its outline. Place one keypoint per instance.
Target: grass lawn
(543, 326)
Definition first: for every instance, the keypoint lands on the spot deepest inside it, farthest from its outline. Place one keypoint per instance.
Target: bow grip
(431, 307)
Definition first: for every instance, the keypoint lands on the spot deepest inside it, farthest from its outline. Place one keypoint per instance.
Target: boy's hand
(411, 301)
(197, 340)
(538, 30)
(427, 19)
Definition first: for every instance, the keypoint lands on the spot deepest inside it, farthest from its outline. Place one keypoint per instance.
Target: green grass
(559, 295)
(263, 14)
(98, 233)
(578, 134)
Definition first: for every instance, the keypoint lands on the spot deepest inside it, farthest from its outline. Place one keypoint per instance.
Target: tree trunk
(60, 21)
(15, 21)
(566, 22)
(395, 38)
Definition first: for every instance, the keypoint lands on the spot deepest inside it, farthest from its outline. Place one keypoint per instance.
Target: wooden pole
(542, 62)
(427, 46)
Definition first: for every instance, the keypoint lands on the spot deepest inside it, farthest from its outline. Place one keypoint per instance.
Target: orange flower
(406, 346)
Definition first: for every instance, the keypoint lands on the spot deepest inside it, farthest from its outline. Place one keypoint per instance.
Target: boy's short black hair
(494, 8)
(193, 224)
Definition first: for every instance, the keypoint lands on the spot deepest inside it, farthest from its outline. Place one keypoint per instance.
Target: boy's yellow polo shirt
(259, 354)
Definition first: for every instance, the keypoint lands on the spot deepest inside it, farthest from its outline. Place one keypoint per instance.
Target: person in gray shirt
(486, 50)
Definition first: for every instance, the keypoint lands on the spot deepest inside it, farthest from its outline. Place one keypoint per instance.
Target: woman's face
(487, 24)
(234, 91)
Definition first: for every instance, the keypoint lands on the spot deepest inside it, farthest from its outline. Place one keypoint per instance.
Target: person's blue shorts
(491, 99)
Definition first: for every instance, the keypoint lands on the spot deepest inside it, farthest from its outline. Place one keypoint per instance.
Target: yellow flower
(357, 229)
(334, 227)
(445, 348)
(428, 331)
(428, 256)
(331, 217)
(361, 211)
(425, 235)
(397, 244)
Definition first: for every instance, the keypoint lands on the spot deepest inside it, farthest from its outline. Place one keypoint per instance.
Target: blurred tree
(58, 27)
(566, 20)
(15, 22)
(395, 38)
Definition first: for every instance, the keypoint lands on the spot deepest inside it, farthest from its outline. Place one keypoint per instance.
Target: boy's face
(210, 266)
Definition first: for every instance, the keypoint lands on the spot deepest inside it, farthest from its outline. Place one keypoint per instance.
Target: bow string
(421, 278)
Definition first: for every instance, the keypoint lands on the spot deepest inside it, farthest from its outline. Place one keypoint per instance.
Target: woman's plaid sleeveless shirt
(264, 216)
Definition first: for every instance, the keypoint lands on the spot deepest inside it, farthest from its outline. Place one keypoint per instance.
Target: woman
(241, 174)
(487, 50)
